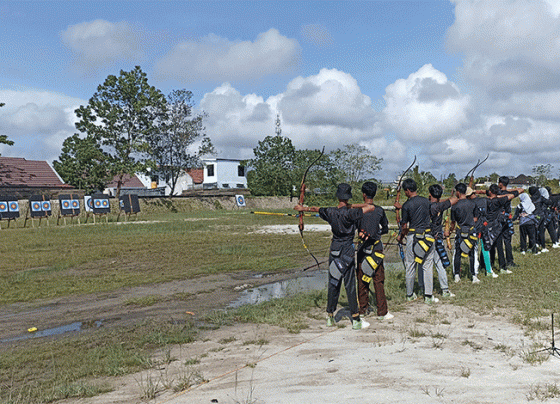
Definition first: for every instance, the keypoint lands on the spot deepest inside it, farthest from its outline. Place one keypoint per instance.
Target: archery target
(36, 206)
(104, 203)
(65, 204)
(46, 206)
(101, 203)
(75, 203)
(240, 199)
(129, 203)
(3, 207)
(88, 203)
(13, 206)
(40, 206)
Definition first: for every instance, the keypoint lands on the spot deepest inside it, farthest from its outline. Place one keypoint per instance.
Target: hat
(344, 192)
(469, 191)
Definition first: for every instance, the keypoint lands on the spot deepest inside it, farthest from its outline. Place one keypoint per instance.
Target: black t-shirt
(495, 207)
(436, 215)
(343, 223)
(416, 212)
(374, 224)
(481, 208)
(463, 213)
(507, 206)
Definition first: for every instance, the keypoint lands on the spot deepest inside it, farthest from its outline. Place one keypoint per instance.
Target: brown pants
(378, 285)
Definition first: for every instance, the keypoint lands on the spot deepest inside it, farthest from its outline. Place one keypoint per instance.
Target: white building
(223, 174)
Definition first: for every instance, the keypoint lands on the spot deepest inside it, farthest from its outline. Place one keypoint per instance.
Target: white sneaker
(537, 253)
(544, 250)
(523, 252)
(387, 316)
(494, 274)
(457, 279)
(365, 324)
(475, 279)
(556, 245)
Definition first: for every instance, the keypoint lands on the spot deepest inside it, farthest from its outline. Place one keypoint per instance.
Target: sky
(446, 81)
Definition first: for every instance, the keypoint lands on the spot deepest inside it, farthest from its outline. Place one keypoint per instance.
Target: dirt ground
(426, 354)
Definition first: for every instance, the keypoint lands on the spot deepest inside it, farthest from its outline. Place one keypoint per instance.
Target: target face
(65, 204)
(46, 205)
(14, 206)
(75, 204)
(97, 203)
(36, 206)
(104, 203)
(3, 206)
(240, 199)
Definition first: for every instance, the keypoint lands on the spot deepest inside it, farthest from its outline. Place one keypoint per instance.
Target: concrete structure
(224, 174)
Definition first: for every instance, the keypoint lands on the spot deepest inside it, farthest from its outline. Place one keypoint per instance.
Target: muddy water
(313, 280)
(72, 327)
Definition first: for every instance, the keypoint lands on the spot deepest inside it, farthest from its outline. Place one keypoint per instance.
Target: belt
(415, 231)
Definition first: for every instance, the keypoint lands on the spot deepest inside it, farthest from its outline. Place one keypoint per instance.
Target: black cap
(344, 192)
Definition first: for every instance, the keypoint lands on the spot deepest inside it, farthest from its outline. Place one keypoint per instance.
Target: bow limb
(301, 200)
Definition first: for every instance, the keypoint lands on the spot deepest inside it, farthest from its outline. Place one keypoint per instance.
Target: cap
(469, 191)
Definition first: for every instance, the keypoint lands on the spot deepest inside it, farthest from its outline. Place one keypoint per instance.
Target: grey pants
(425, 271)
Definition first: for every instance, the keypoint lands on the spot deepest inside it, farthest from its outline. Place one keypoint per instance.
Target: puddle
(77, 326)
(313, 280)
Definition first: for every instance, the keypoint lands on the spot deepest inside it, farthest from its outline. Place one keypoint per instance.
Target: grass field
(56, 261)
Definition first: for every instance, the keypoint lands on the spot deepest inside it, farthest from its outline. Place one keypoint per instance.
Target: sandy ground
(437, 354)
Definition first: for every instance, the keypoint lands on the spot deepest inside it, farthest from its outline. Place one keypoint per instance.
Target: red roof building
(25, 177)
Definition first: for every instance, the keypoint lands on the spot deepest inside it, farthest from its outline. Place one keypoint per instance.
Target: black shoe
(511, 264)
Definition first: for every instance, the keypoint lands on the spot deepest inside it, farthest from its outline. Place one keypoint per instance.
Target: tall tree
(179, 130)
(450, 182)
(542, 172)
(423, 179)
(122, 115)
(82, 164)
(356, 162)
(3, 138)
(271, 169)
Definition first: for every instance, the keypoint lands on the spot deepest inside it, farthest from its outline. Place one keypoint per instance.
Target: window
(240, 186)
(240, 171)
(225, 185)
(210, 170)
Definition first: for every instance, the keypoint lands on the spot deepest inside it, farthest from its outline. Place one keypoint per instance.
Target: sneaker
(556, 245)
(431, 300)
(412, 298)
(447, 293)
(359, 324)
(505, 271)
(523, 252)
(494, 274)
(457, 279)
(537, 253)
(475, 279)
(387, 316)
(544, 250)
(330, 321)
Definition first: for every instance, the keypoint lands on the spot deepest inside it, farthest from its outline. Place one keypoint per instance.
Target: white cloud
(324, 109)
(317, 34)
(425, 106)
(37, 121)
(508, 45)
(213, 58)
(99, 43)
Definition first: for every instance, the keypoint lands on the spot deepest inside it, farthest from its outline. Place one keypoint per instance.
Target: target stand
(69, 207)
(552, 350)
(97, 205)
(39, 207)
(129, 205)
(9, 209)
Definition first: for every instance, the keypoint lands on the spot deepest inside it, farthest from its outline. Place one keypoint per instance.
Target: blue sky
(449, 81)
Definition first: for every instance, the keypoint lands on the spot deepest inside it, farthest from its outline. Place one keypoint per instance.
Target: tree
(423, 179)
(82, 164)
(494, 178)
(178, 132)
(3, 138)
(272, 167)
(450, 181)
(322, 178)
(121, 116)
(356, 162)
(542, 172)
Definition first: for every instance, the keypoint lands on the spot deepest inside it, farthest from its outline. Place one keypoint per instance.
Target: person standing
(441, 259)
(370, 255)
(419, 254)
(342, 267)
(507, 223)
(527, 224)
(481, 228)
(463, 217)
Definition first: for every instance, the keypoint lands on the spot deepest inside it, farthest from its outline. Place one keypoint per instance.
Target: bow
(472, 170)
(397, 211)
(301, 198)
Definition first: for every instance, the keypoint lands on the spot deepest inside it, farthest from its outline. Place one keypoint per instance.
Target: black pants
(498, 247)
(349, 279)
(528, 231)
(507, 244)
(457, 258)
(551, 231)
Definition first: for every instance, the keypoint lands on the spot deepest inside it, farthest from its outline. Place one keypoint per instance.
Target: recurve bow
(301, 199)
(397, 211)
